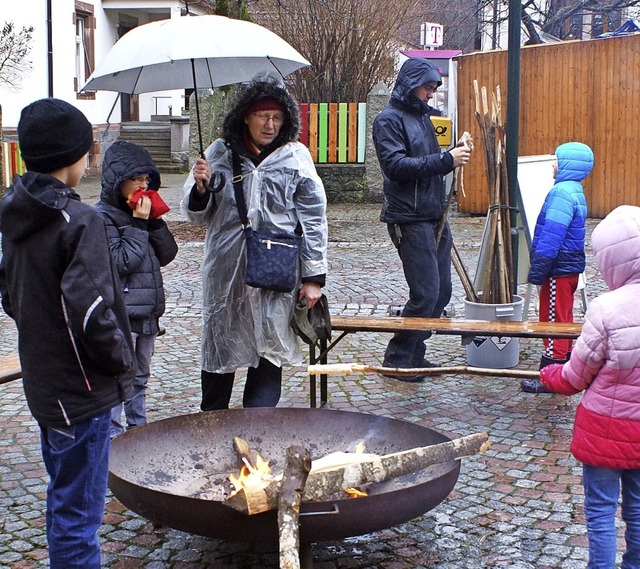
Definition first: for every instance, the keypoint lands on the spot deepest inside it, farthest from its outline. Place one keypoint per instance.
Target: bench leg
(323, 376)
(312, 377)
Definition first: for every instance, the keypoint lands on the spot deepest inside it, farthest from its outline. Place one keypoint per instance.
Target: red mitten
(158, 205)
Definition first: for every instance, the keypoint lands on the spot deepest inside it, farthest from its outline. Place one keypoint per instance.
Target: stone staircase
(155, 137)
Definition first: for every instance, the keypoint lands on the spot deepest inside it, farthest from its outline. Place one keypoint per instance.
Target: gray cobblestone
(518, 506)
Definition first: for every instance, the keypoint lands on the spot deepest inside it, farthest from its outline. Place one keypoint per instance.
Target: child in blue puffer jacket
(557, 249)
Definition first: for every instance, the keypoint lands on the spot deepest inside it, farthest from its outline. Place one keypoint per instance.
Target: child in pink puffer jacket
(605, 364)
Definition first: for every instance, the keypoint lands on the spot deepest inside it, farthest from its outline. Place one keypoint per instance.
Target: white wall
(35, 85)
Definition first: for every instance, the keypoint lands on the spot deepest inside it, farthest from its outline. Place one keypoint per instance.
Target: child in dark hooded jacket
(140, 244)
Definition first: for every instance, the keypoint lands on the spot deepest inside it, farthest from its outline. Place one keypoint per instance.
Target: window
(85, 24)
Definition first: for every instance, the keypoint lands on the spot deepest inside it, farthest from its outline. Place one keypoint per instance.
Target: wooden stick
(328, 482)
(297, 465)
(456, 260)
(344, 369)
(10, 368)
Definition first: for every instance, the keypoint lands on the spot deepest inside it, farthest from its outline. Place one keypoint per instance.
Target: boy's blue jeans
(135, 409)
(601, 493)
(77, 461)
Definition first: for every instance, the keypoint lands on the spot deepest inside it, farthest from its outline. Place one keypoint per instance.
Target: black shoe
(406, 378)
(534, 386)
(410, 378)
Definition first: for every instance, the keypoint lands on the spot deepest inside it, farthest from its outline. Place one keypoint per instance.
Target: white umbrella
(192, 52)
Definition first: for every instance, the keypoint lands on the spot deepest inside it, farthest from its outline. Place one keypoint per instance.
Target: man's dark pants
(428, 274)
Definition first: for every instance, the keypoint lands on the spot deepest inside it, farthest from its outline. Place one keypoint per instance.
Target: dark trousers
(262, 388)
(427, 270)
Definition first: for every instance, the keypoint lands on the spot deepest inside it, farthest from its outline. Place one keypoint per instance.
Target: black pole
(195, 98)
(513, 127)
(50, 48)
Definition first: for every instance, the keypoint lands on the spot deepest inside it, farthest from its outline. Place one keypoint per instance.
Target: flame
(250, 474)
(355, 493)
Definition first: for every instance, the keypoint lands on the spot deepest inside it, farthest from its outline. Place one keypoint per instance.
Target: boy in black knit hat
(58, 283)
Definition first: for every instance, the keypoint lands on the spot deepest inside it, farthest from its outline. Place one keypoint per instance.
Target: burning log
(296, 470)
(253, 485)
(363, 469)
(342, 369)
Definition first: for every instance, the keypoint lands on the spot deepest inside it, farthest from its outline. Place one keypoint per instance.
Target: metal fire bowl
(174, 472)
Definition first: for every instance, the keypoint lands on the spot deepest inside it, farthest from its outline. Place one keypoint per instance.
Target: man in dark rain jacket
(413, 167)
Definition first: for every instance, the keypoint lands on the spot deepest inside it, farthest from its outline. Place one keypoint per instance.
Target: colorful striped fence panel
(323, 133)
(304, 123)
(335, 133)
(12, 162)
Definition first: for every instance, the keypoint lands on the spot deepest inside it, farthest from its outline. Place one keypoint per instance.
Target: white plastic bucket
(493, 351)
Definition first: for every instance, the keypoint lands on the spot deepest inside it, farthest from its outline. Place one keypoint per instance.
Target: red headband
(265, 104)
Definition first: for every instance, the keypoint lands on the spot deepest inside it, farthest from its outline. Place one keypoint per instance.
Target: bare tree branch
(351, 44)
(15, 46)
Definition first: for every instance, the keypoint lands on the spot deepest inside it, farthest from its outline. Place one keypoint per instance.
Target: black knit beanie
(53, 134)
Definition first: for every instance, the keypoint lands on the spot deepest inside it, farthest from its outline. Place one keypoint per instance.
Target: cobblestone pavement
(517, 506)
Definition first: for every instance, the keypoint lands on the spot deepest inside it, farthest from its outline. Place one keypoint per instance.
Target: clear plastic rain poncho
(242, 323)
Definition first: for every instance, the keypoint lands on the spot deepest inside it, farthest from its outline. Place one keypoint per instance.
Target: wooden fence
(588, 91)
(334, 132)
(12, 162)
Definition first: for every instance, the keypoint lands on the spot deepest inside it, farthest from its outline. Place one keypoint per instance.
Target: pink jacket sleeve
(551, 376)
(587, 358)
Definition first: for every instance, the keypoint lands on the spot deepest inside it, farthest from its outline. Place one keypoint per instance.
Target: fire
(355, 493)
(251, 474)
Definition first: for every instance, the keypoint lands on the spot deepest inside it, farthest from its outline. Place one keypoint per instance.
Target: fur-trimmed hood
(259, 88)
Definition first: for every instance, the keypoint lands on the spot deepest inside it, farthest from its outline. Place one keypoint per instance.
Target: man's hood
(616, 245)
(412, 74)
(34, 201)
(575, 162)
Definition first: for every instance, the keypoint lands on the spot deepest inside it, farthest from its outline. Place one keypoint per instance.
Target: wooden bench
(10, 368)
(443, 326)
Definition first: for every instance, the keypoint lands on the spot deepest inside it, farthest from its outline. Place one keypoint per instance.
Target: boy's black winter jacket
(59, 284)
(138, 246)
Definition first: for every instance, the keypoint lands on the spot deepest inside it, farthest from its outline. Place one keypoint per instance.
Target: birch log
(296, 470)
(326, 483)
(343, 369)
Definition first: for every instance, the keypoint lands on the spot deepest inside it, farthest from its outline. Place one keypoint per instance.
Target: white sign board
(535, 180)
(431, 35)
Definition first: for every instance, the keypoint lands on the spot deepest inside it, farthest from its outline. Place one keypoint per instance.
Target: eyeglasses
(140, 180)
(277, 119)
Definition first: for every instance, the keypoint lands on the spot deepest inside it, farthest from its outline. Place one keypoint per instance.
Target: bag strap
(238, 189)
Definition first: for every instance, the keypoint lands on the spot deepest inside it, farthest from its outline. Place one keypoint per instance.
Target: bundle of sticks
(495, 278)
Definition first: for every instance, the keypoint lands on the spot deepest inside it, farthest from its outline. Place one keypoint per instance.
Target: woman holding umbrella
(243, 326)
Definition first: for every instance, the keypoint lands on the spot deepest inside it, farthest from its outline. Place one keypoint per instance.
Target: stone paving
(517, 506)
